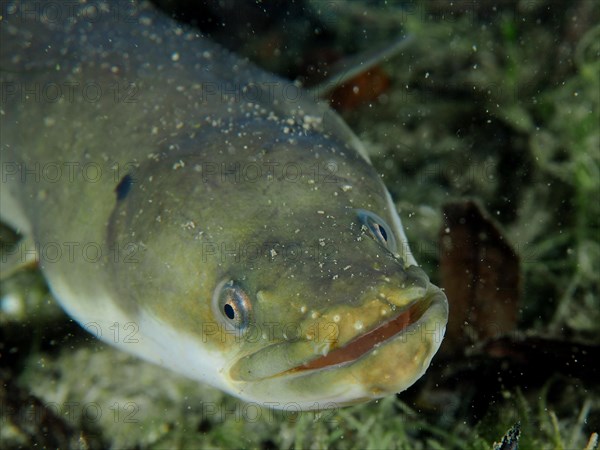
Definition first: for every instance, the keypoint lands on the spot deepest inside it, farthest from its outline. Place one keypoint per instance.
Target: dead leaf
(480, 275)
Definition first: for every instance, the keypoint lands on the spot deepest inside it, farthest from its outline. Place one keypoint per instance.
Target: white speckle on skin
(311, 122)
(303, 309)
(178, 165)
(358, 325)
(175, 57)
(336, 318)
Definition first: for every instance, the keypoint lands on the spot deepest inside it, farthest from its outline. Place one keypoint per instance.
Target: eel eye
(233, 305)
(378, 229)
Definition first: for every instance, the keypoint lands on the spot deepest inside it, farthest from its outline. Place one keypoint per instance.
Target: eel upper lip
(363, 344)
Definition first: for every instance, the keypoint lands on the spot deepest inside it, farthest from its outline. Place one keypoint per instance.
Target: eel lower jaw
(364, 344)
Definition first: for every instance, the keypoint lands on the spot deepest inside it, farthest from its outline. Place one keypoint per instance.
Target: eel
(230, 221)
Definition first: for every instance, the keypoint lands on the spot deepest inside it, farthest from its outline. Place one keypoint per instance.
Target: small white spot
(178, 165)
(336, 318)
(358, 325)
(175, 57)
(12, 305)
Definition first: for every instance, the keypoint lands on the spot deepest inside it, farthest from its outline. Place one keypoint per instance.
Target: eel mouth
(364, 344)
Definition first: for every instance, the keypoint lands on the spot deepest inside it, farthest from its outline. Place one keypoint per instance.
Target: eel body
(231, 222)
